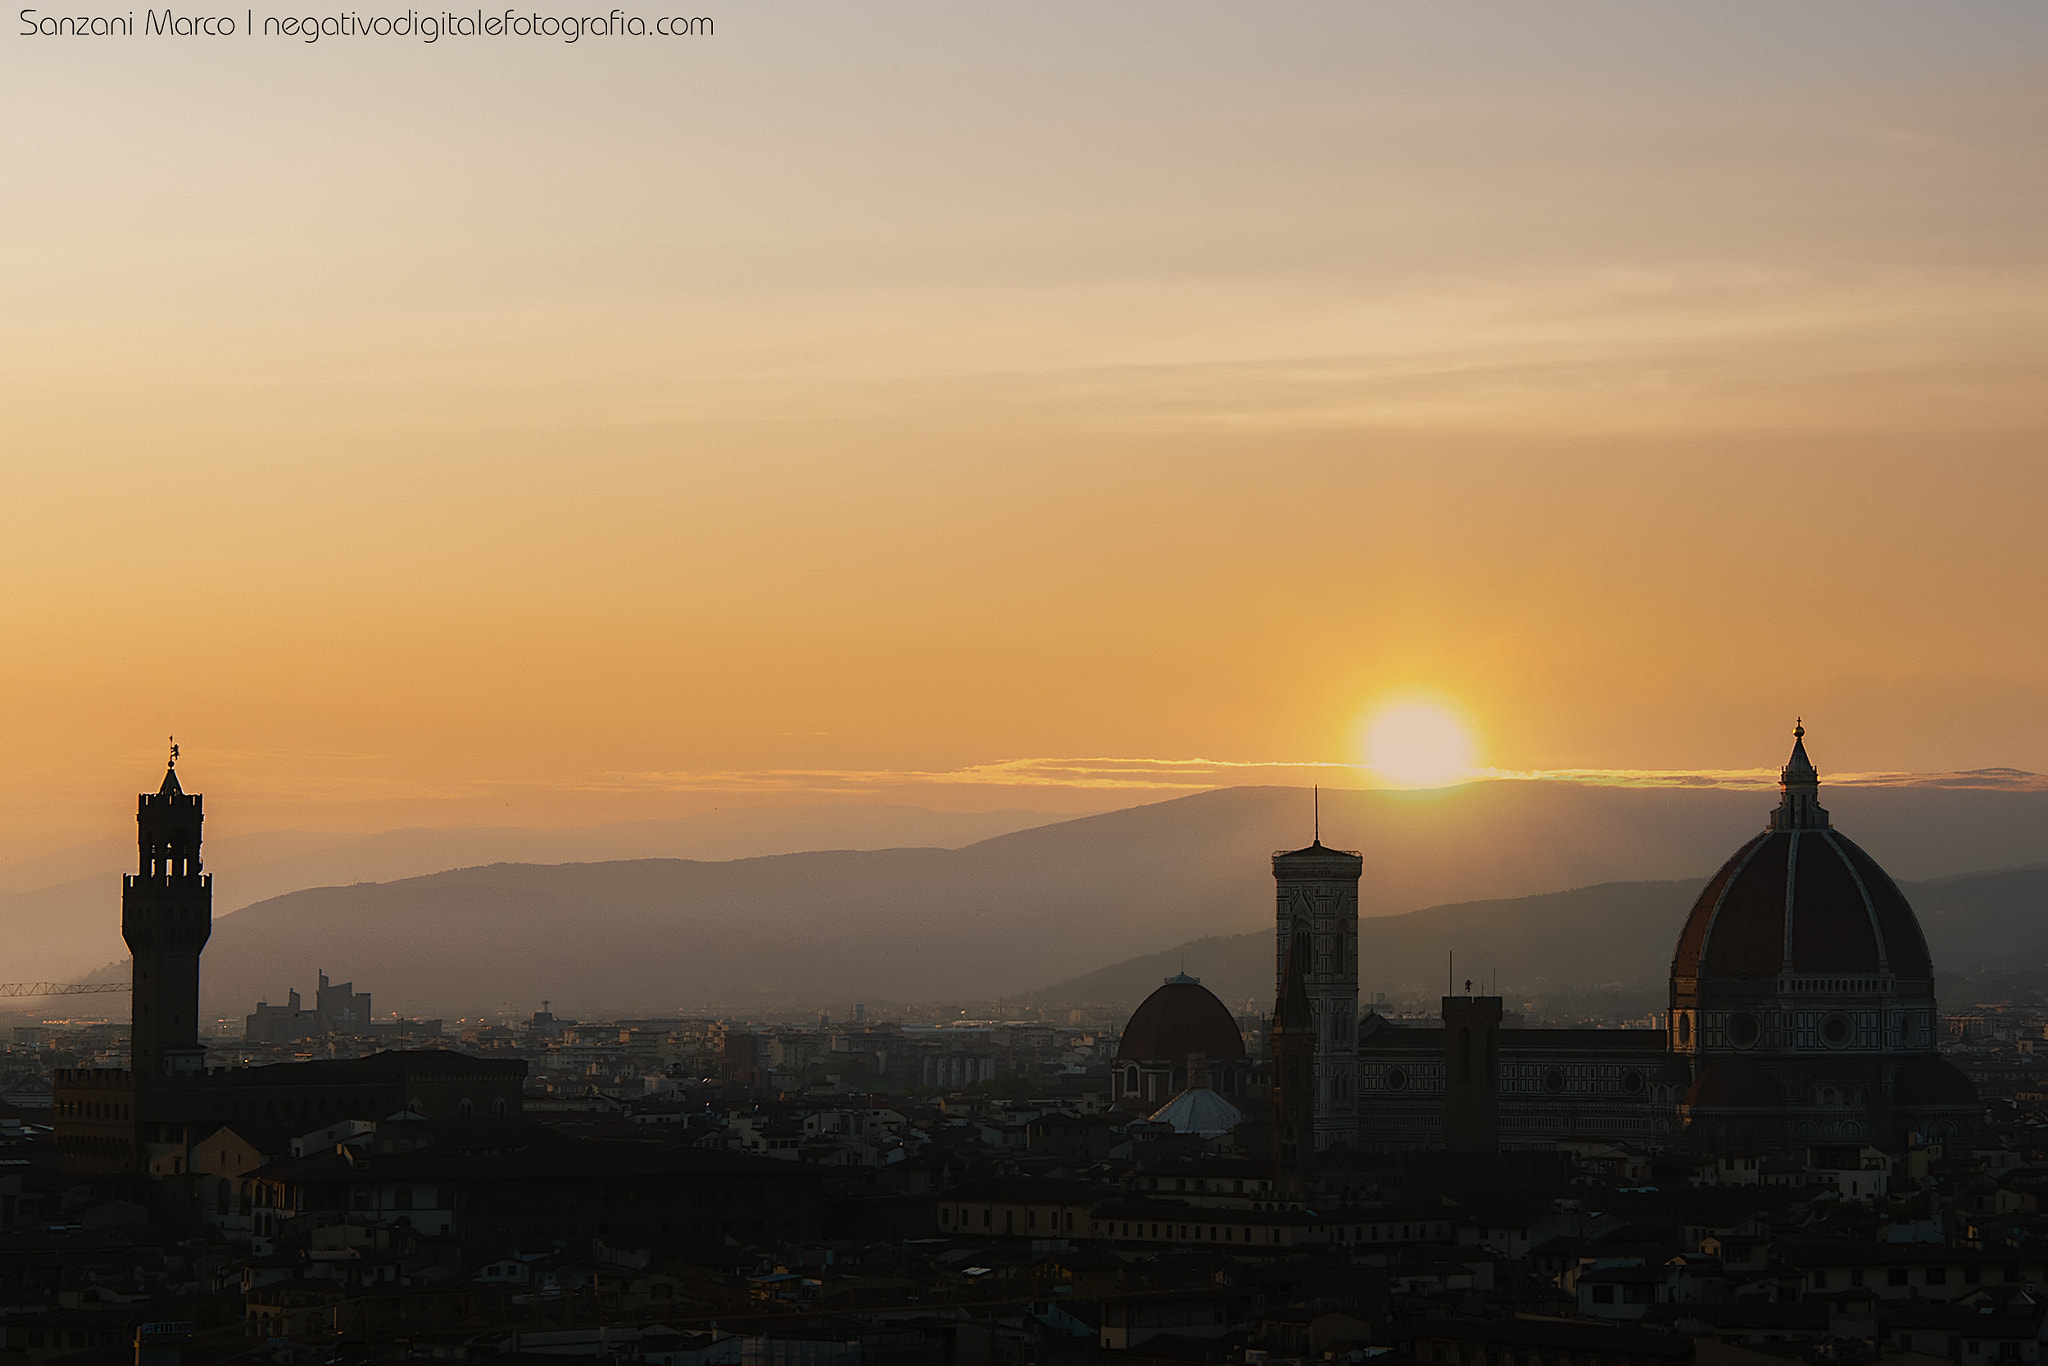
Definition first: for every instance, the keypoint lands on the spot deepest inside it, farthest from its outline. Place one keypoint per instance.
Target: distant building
(337, 1009)
(146, 1118)
(1182, 1036)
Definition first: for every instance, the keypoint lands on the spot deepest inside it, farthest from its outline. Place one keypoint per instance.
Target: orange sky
(550, 435)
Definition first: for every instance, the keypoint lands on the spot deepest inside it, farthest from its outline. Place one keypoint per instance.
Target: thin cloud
(1200, 774)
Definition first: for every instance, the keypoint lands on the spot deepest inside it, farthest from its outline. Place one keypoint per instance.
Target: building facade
(1802, 1019)
(1802, 993)
(1317, 901)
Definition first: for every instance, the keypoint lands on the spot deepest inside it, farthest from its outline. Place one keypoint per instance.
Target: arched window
(362, 1200)
(402, 1198)
(466, 1108)
(498, 1107)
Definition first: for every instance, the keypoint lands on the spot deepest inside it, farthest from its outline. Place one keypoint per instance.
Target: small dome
(1933, 1081)
(1199, 1111)
(1801, 898)
(1180, 1018)
(1735, 1084)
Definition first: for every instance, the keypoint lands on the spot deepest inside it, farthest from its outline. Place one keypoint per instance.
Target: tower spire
(1799, 808)
(1316, 798)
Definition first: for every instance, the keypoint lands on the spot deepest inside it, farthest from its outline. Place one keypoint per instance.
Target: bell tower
(166, 917)
(1317, 923)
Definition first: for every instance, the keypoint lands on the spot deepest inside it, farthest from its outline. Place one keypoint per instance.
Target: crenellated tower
(166, 917)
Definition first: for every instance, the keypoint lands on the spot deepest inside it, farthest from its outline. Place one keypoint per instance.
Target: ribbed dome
(1180, 1018)
(1801, 898)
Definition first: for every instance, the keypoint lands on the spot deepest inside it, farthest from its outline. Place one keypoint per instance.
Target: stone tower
(1293, 1039)
(1472, 1074)
(1318, 897)
(166, 917)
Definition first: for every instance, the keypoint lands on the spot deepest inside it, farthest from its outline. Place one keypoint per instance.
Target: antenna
(1451, 973)
(1316, 796)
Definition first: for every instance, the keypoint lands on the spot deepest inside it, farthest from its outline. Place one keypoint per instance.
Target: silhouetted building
(1317, 894)
(1803, 994)
(1472, 1074)
(338, 1008)
(1802, 1017)
(166, 919)
(1181, 1036)
(145, 1118)
(1294, 1087)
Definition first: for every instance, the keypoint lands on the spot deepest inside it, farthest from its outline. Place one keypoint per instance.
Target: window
(1820, 1280)
(1937, 1275)
(1897, 1276)
(1603, 1294)
(402, 1198)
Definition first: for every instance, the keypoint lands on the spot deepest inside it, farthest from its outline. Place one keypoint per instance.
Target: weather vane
(1798, 728)
(174, 751)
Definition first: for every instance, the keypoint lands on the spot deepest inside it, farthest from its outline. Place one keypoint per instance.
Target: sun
(1415, 744)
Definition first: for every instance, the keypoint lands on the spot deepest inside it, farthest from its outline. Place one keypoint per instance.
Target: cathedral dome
(1801, 898)
(1180, 1018)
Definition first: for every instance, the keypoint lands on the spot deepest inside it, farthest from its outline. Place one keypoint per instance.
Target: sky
(988, 405)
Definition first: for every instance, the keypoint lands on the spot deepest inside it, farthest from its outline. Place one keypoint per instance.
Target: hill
(1005, 915)
(1615, 939)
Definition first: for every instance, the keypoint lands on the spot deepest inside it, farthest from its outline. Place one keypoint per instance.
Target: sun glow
(1416, 744)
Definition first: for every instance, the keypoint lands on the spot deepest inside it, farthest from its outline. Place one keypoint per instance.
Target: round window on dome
(1553, 1080)
(1836, 1031)
(1397, 1080)
(1632, 1081)
(1743, 1030)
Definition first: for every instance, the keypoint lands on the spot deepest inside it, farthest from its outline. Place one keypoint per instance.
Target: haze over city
(899, 683)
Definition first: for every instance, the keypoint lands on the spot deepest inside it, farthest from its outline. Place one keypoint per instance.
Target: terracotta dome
(1735, 1083)
(1180, 1018)
(1933, 1081)
(1801, 898)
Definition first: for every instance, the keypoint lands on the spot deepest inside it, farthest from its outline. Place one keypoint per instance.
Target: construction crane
(60, 988)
